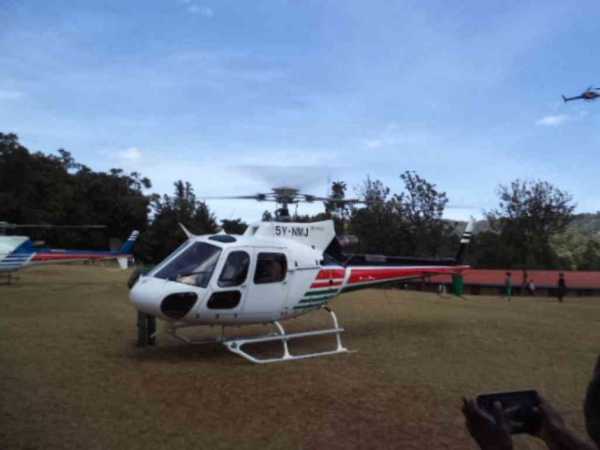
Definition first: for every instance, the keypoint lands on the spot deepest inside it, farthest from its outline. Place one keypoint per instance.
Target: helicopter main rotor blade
(315, 198)
(259, 197)
(14, 225)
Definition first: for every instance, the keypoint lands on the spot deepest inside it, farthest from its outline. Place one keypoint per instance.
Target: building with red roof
(480, 281)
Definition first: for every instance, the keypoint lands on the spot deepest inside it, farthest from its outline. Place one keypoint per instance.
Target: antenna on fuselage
(187, 232)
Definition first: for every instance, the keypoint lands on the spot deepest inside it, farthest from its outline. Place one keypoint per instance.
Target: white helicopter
(275, 271)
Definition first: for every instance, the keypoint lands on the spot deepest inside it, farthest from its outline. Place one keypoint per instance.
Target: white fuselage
(258, 301)
(256, 278)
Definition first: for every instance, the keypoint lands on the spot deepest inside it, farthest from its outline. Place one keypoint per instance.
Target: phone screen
(519, 409)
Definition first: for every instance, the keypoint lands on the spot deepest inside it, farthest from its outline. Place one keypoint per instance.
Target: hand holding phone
(520, 408)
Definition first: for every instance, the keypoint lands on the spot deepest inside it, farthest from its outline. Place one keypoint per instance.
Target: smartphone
(519, 408)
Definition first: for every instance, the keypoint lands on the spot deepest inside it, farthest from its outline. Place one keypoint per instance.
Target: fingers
(465, 403)
(545, 408)
(597, 367)
(473, 413)
(468, 410)
(498, 413)
(549, 415)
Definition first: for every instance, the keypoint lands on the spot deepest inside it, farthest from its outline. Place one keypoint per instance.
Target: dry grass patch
(71, 376)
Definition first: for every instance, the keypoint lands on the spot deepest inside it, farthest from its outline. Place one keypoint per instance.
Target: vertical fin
(127, 247)
(15, 252)
(464, 241)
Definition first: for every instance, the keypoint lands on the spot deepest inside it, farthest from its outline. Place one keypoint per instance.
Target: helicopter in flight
(591, 93)
(276, 271)
(19, 252)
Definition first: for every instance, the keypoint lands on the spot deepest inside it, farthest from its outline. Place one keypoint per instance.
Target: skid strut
(236, 345)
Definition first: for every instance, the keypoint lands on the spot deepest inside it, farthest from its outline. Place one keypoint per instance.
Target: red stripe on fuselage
(378, 274)
(326, 274)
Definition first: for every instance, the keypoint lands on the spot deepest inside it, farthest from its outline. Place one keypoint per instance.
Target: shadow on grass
(174, 353)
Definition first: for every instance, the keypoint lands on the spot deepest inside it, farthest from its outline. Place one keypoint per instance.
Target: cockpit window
(235, 269)
(193, 266)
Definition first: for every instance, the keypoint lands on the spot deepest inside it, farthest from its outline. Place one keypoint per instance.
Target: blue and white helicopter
(19, 252)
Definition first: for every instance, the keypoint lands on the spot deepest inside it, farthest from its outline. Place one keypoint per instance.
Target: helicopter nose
(146, 295)
(160, 298)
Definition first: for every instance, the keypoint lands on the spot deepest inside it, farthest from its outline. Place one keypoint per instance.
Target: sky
(241, 96)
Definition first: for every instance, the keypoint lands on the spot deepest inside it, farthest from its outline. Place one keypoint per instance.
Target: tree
(55, 189)
(337, 193)
(590, 258)
(409, 223)
(529, 214)
(164, 233)
(267, 216)
(337, 209)
(421, 207)
(375, 225)
(236, 226)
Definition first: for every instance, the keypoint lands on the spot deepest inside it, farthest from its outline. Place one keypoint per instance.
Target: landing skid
(235, 345)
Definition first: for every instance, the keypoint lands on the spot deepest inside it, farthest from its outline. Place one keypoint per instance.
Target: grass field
(71, 376)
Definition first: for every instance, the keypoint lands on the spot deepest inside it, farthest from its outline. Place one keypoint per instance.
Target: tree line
(533, 226)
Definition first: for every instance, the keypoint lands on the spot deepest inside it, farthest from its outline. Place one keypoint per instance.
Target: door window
(224, 300)
(270, 268)
(235, 269)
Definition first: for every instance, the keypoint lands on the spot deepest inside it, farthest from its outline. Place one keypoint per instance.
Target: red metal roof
(541, 278)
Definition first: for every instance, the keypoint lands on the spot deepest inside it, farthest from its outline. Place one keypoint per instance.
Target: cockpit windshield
(194, 265)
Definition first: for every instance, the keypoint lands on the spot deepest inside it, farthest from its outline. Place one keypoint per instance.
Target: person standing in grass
(531, 288)
(508, 286)
(562, 287)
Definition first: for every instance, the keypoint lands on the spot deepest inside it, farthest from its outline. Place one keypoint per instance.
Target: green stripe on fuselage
(312, 305)
(317, 299)
(327, 291)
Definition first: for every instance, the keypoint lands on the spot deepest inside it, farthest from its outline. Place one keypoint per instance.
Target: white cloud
(394, 135)
(373, 143)
(204, 11)
(10, 95)
(553, 121)
(130, 154)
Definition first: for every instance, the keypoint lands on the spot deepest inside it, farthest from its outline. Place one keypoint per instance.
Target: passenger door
(229, 288)
(268, 285)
